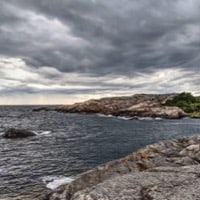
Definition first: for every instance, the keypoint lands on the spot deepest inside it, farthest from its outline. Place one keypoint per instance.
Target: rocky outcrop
(18, 133)
(139, 105)
(156, 111)
(181, 183)
(155, 172)
(42, 109)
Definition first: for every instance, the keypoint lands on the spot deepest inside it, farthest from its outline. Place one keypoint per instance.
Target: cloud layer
(92, 47)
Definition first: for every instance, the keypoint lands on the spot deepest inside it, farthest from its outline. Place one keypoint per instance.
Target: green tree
(186, 101)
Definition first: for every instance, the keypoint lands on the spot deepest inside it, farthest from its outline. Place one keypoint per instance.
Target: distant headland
(168, 106)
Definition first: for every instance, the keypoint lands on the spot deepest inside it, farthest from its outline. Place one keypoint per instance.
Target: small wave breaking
(53, 182)
(45, 132)
(103, 115)
(118, 117)
(149, 118)
(124, 118)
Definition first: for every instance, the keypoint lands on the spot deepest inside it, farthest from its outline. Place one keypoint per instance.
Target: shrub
(186, 101)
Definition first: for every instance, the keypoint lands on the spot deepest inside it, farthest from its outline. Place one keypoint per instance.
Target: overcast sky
(62, 51)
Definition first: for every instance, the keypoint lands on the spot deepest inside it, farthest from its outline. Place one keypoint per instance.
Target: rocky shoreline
(165, 170)
(138, 105)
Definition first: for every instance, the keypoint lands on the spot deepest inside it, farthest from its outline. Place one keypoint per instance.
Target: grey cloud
(32, 90)
(123, 36)
(102, 38)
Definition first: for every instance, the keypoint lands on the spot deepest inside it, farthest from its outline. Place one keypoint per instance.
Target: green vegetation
(186, 101)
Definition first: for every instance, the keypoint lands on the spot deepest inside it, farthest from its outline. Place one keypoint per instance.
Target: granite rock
(138, 105)
(165, 170)
(18, 133)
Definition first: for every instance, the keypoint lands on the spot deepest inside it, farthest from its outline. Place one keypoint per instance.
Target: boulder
(18, 133)
(41, 109)
(145, 110)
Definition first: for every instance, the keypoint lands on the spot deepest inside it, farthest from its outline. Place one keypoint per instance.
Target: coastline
(133, 107)
(172, 159)
(141, 167)
(175, 158)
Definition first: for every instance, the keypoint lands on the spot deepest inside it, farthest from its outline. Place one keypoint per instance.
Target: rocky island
(165, 170)
(138, 105)
(169, 106)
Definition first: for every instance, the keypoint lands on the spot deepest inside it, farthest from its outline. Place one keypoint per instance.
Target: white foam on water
(35, 132)
(158, 118)
(1, 133)
(150, 118)
(53, 182)
(124, 118)
(45, 132)
(108, 116)
(102, 115)
(145, 118)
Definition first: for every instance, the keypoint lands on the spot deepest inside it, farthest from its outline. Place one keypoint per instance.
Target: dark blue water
(69, 144)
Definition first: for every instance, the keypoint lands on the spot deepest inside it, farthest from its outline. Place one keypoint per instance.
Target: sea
(68, 144)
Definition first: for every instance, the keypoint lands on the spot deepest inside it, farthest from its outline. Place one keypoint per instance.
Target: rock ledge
(165, 170)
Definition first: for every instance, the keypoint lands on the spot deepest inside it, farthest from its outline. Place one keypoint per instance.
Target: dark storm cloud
(116, 37)
(90, 46)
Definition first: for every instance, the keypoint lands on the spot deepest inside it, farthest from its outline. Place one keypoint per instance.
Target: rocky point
(165, 170)
(138, 105)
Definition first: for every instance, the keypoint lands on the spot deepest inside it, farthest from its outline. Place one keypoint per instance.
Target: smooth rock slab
(170, 183)
(18, 133)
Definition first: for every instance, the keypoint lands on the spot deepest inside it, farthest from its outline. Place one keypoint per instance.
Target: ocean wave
(146, 118)
(150, 118)
(45, 132)
(102, 115)
(1, 133)
(158, 118)
(53, 182)
(3, 171)
(130, 118)
(109, 116)
(124, 118)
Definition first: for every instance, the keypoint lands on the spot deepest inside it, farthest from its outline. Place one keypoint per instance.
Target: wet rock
(159, 171)
(42, 109)
(18, 133)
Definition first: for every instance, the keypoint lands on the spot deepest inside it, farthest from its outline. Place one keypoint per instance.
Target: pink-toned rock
(139, 105)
